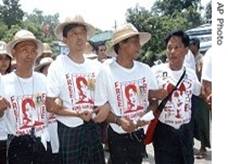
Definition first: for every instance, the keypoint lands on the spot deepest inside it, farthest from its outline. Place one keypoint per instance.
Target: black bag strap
(164, 101)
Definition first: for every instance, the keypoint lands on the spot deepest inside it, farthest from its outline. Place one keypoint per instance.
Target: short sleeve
(101, 89)
(53, 86)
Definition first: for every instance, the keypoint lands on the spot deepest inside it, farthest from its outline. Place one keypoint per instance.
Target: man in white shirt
(71, 78)
(173, 137)
(125, 83)
(23, 99)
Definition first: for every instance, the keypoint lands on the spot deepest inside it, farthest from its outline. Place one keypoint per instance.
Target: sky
(100, 13)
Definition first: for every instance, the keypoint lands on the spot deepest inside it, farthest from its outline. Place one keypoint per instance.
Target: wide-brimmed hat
(46, 49)
(126, 31)
(74, 20)
(43, 62)
(3, 49)
(24, 35)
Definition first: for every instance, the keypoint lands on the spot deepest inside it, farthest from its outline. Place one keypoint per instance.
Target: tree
(42, 26)
(167, 7)
(10, 12)
(208, 14)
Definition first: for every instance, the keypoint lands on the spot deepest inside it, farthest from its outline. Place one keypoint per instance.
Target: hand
(158, 94)
(127, 124)
(102, 113)
(141, 123)
(86, 115)
(4, 104)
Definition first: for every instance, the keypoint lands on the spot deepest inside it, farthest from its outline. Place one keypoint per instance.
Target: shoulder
(160, 67)
(39, 75)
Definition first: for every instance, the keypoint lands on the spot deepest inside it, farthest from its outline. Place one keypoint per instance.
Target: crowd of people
(64, 109)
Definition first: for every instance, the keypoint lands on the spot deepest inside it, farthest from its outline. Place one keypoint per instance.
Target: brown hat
(25, 35)
(3, 49)
(74, 20)
(127, 31)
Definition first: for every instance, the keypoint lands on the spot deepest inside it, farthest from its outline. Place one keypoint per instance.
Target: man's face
(101, 53)
(4, 63)
(25, 53)
(131, 47)
(76, 38)
(176, 52)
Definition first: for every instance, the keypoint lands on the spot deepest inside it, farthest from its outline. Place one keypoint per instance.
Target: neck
(77, 57)
(24, 73)
(125, 61)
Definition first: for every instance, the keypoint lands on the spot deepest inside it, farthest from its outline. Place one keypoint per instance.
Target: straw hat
(43, 62)
(74, 20)
(46, 49)
(3, 49)
(25, 35)
(127, 31)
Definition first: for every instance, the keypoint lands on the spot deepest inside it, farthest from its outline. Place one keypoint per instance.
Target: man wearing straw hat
(23, 96)
(71, 78)
(124, 83)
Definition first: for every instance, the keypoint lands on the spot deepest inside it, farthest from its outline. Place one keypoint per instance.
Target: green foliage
(208, 14)
(8, 35)
(164, 17)
(10, 12)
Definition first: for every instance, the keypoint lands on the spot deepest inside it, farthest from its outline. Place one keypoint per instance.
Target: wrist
(118, 120)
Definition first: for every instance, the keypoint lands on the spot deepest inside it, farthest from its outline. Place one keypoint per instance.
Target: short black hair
(179, 33)
(195, 41)
(68, 27)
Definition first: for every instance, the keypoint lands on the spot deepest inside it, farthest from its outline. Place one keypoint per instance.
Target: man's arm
(58, 109)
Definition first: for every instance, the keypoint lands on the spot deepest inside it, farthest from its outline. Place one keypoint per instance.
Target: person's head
(44, 65)
(177, 43)
(5, 59)
(128, 41)
(74, 31)
(101, 52)
(194, 45)
(47, 52)
(25, 48)
(131, 94)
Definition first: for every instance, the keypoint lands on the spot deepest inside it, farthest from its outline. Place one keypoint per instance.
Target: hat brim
(89, 28)
(40, 66)
(6, 53)
(144, 37)
(13, 43)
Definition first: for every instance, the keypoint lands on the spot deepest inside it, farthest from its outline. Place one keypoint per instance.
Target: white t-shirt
(189, 60)
(27, 99)
(125, 89)
(177, 110)
(74, 84)
(206, 70)
(3, 132)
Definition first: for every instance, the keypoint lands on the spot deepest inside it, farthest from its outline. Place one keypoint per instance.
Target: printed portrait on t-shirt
(178, 99)
(82, 87)
(131, 97)
(29, 112)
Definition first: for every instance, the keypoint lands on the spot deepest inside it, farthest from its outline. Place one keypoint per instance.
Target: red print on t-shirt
(132, 98)
(82, 86)
(30, 115)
